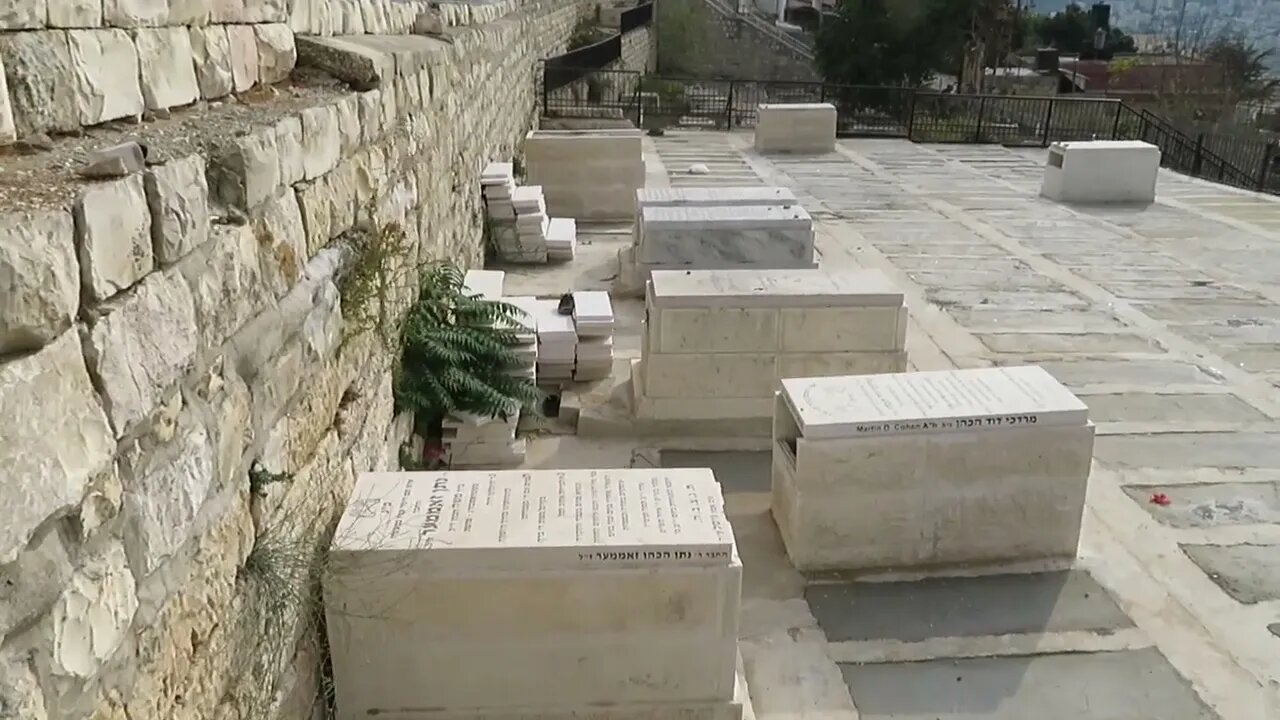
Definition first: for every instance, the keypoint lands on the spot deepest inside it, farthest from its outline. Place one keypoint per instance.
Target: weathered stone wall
(188, 379)
(694, 40)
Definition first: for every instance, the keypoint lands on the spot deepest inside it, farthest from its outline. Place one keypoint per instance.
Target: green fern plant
(459, 353)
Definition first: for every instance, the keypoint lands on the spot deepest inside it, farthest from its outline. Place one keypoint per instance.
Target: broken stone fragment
(115, 161)
(428, 23)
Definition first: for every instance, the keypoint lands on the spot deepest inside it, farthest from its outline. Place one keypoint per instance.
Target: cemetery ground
(1164, 320)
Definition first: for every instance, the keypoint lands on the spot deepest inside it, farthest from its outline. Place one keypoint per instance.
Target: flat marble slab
(773, 288)
(931, 402)
(545, 519)
(724, 196)
(722, 236)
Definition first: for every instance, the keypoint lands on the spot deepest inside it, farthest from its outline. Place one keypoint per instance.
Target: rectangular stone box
(808, 128)
(1102, 172)
(936, 468)
(716, 343)
(716, 237)
(707, 196)
(486, 592)
(586, 174)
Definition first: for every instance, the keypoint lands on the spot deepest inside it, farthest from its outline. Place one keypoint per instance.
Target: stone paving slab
(964, 606)
(1128, 685)
(1248, 573)
(1208, 505)
(735, 471)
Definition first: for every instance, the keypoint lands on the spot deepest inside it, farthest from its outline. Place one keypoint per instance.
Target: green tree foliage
(1245, 75)
(1072, 30)
(904, 42)
(875, 42)
(459, 353)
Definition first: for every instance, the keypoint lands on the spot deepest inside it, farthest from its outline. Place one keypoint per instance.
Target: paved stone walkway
(1165, 320)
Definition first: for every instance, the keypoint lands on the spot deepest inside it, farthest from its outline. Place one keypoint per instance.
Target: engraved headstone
(519, 520)
(928, 402)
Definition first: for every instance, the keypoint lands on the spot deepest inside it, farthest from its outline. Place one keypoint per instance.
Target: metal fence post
(911, 113)
(1199, 159)
(1115, 127)
(1048, 122)
(1268, 156)
(982, 107)
(728, 108)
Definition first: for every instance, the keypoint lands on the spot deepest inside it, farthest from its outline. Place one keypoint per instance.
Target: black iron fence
(575, 65)
(636, 17)
(918, 115)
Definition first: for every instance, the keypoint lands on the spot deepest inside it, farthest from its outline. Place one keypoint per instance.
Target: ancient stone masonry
(188, 397)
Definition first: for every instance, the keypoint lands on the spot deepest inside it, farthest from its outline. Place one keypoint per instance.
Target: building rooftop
(1165, 320)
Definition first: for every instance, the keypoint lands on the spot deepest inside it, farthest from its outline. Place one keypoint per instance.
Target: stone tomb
(930, 468)
(536, 594)
(716, 342)
(1102, 172)
(722, 237)
(586, 174)
(796, 128)
(705, 197)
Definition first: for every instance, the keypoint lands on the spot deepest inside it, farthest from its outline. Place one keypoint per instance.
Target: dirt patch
(48, 179)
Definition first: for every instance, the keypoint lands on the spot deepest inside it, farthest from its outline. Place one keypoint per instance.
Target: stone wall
(696, 39)
(190, 377)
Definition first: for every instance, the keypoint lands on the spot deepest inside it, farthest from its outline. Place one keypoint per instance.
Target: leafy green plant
(459, 353)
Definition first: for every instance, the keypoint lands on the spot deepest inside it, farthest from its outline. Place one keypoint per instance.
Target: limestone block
(113, 236)
(8, 130)
(349, 129)
(841, 329)
(1102, 172)
(289, 145)
(178, 194)
(370, 112)
(41, 81)
(341, 186)
(243, 44)
(61, 444)
(249, 12)
(315, 201)
(706, 330)
(796, 128)
(23, 15)
(923, 469)
(106, 68)
(188, 12)
(19, 686)
(525, 574)
(721, 196)
(75, 13)
(247, 172)
(827, 364)
(168, 70)
(92, 618)
(586, 174)
(300, 12)
(142, 346)
(321, 140)
(135, 13)
(348, 18)
(276, 52)
(32, 582)
(719, 237)
(282, 236)
(39, 279)
(211, 53)
(165, 484)
(711, 375)
(225, 279)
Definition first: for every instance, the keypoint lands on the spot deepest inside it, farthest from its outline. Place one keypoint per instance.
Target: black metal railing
(578, 64)
(636, 17)
(922, 116)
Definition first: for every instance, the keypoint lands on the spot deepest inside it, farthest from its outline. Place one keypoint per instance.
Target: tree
(1245, 75)
(1072, 30)
(875, 42)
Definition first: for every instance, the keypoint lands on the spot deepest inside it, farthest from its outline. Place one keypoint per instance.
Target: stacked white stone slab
(930, 468)
(562, 239)
(593, 322)
(557, 342)
(531, 219)
(723, 237)
(542, 594)
(526, 332)
(796, 128)
(476, 441)
(1102, 172)
(717, 342)
(586, 174)
(498, 185)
